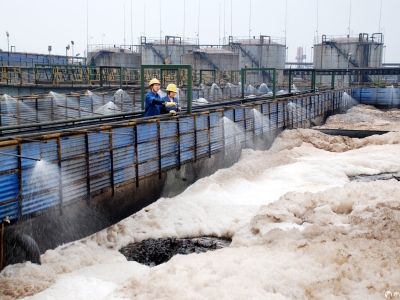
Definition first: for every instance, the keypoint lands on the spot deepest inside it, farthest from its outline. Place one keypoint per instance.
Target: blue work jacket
(154, 105)
(167, 109)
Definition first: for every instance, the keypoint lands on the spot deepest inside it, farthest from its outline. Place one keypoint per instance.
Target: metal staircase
(255, 61)
(204, 56)
(346, 55)
(158, 53)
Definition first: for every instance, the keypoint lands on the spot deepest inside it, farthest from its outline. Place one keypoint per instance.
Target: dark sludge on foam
(382, 176)
(153, 252)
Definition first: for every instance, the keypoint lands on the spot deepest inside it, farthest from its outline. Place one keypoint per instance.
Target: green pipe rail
(245, 70)
(329, 72)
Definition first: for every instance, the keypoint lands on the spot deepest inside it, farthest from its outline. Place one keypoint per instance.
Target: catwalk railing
(78, 163)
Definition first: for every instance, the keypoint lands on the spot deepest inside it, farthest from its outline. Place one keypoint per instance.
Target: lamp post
(8, 46)
(8, 41)
(66, 54)
(72, 43)
(49, 49)
(312, 57)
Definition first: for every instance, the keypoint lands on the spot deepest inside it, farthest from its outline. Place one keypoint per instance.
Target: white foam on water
(300, 229)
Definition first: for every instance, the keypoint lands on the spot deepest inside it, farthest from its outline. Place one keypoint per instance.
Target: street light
(72, 43)
(312, 57)
(8, 41)
(49, 48)
(8, 47)
(66, 54)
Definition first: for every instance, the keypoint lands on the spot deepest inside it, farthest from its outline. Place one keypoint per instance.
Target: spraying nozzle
(7, 219)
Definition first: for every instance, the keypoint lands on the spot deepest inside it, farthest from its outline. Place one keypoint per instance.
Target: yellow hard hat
(153, 81)
(172, 88)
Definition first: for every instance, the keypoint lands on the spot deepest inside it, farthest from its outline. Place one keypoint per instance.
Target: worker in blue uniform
(154, 104)
(170, 99)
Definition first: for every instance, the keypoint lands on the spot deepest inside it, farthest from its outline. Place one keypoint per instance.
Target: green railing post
(142, 87)
(290, 81)
(243, 79)
(274, 84)
(189, 90)
(333, 81)
(101, 76)
(313, 80)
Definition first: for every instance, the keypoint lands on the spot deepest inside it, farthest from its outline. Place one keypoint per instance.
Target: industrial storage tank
(347, 52)
(165, 51)
(261, 52)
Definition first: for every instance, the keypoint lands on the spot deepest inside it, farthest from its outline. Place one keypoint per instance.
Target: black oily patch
(382, 176)
(153, 252)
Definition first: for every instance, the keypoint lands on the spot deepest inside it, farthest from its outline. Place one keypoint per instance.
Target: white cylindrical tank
(259, 52)
(343, 52)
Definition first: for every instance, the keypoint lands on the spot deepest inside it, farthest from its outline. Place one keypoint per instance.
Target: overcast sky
(34, 25)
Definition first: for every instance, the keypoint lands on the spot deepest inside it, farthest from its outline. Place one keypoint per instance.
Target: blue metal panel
(73, 179)
(72, 146)
(99, 183)
(258, 122)
(27, 111)
(98, 142)
(99, 163)
(148, 168)
(39, 202)
(240, 132)
(49, 151)
(187, 141)
(217, 137)
(43, 176)
(280, 115)
(8, 187)
(168, 161)
(126, 138)
(9, 209)
(146, 132)
(75, 191)
(124, 157)
(215, 118)
(73, 170)
(229, 114)
(8, 162)
(147, 151)
(312, 107)
(72, 102)
(186, 125)
(169, 146)
(168, 129)
(201, 122)
(124, 174)
(45, 109)
(32, 150)
(187, 155)
(169, 151)
(239, 114)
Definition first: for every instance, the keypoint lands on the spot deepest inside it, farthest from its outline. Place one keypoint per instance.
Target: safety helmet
(172, 88)
(153, 81)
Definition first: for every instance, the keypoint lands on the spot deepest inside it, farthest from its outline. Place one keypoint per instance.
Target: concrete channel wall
(91, 178)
